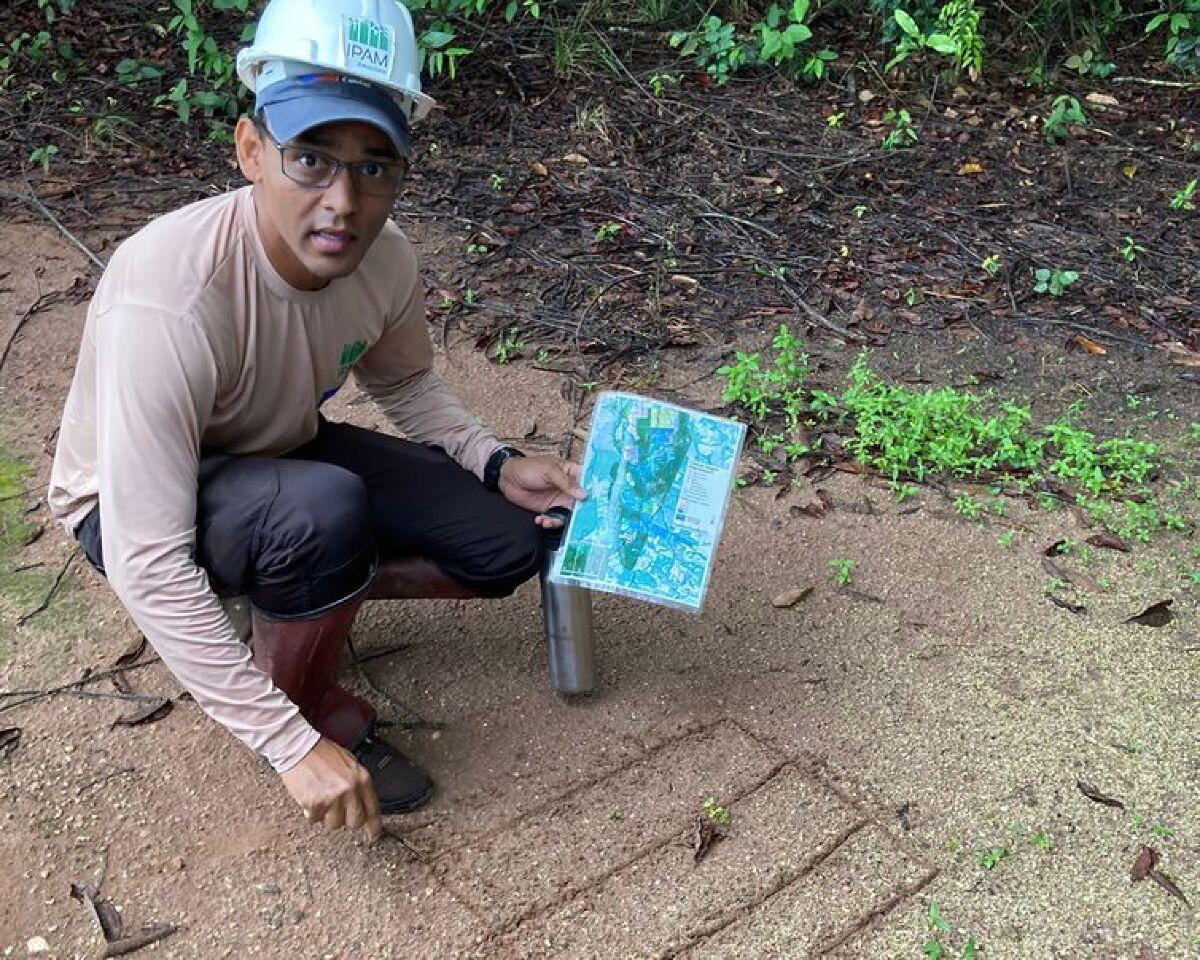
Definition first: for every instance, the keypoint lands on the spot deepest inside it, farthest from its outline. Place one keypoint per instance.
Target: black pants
(302, 533)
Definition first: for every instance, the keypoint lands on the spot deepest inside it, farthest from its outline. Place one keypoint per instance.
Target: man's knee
(510, 554)
(315, 546)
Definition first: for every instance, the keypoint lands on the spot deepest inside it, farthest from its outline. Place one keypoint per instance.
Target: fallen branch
(69, 688)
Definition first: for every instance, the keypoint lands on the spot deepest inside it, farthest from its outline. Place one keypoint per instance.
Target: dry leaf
(1065, 603)
(538, 169)
(970, 168)
(10, 737)
(1097, 797)
(1109, 540)
(1168, 884)
(791, 597)
(1178, 353)
(148, 712)
(704, 834)
(1089, 345)
(1156, 615)
(1146, 859)
(577, 158)
(103, 911)
(1102, 100)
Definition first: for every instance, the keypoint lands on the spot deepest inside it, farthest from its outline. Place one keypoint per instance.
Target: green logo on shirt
(350, 354)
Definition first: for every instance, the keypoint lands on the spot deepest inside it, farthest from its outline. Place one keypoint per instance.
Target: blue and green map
(658, 478)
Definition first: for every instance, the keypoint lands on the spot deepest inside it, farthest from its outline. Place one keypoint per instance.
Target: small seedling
(1063, 112)
(497, 182)
(660, 81)
(1131, 250)
(1162, 831)
(991, 857)
(1006, 538)
(617, 815)
(858, 210)
(475, 248)
(43, 156)
(715, 812)
(1053, 282)
(508, 347)
(835, 119)
(842, 570)
(967, 506)
(991, 264)
(903, 133)
(606, 231)
(1183, 198)
(1043, 841)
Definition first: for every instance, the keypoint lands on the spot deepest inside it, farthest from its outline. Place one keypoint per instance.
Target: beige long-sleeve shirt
(193, 341)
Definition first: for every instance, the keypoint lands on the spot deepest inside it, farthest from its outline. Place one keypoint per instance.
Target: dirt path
(915, 736)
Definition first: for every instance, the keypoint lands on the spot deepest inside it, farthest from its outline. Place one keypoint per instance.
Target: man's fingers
(335, 817)
(567, 482)
(372, 822)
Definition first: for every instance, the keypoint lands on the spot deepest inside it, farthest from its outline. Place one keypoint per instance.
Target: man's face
(314, 235)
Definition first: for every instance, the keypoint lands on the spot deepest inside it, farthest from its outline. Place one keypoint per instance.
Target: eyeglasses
(315, 170)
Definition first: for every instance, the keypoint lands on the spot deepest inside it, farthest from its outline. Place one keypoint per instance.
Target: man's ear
(250, 149)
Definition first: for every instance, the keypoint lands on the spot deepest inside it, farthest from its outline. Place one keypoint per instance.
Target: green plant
(835, 119)
(508, 347)
(780, 32)
(933, 948)
(496, 181)
(1053, 282)
(991, 857)
(903, 132)
(1182, 47)
(1182, 200)
(715, 47)
(1064, 111)
(776, 391)
(1131, 250)
(991, 264)
(843, 568)
(1006, 538)
(715, 812)
(1085, 63)
(967, 506)
(1043, 841)
(959, 20)
(815, 64)
(43, 156)
(858, 210)
(606, 231)
(660, 81)
(914, 39)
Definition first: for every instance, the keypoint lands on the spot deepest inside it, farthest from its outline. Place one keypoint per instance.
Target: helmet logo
(368, 45)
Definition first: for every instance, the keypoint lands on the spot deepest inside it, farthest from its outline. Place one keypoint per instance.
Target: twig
(408, 845)
(73, 685)
(1174, 84)
(25, 618)
(12, 337)
(32, 199)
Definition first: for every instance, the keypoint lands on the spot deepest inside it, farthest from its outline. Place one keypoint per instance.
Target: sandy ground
(872, 743)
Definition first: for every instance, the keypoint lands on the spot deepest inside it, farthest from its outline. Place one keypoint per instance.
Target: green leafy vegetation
(715, 812)
(934, 946)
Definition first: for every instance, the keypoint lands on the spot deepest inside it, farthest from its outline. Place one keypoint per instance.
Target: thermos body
(567, 616)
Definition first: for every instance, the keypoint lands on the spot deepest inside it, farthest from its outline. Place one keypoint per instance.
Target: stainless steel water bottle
(567, 614)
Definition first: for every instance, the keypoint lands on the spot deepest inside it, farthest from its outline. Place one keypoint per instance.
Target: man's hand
(539, 483)
(333, 789)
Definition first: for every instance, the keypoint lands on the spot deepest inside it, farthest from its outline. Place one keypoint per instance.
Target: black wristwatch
(491, 471)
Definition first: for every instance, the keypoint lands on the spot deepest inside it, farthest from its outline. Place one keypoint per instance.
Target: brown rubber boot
(414, 578)
(301, 657)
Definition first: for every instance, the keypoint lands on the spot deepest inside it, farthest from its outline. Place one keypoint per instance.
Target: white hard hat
(371, 41)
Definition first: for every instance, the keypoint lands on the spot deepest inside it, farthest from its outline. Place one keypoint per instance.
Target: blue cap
(297, 104)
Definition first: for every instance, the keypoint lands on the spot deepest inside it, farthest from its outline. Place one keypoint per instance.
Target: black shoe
(400, 784)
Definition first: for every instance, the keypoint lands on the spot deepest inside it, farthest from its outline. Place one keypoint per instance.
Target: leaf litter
(112, 926)
(1156, 615)
(1146, 865)
(1096, 796)
(10, 738)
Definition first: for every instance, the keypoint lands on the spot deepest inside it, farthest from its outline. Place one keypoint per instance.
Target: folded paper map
(658, 479)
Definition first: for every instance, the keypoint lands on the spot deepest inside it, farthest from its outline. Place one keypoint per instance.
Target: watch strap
(491, 470)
